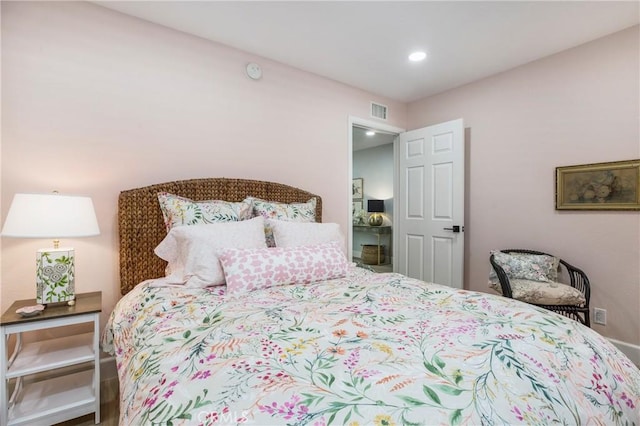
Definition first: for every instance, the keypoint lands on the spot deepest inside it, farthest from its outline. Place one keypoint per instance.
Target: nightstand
(47, 387)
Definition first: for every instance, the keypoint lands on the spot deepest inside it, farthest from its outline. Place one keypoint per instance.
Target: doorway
(372, 151)
(427, 171)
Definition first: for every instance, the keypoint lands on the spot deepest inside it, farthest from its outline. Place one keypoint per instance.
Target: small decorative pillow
(179, 211)
(292, 234)
(246, 270)
(293, 212)
(191, 251)
(533, 267)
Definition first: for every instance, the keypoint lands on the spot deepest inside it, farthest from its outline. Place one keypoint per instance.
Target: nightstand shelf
(50, 354)
(47, 389)
(54, 400)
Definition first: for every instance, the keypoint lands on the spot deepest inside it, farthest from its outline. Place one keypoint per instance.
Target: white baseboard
(631, 351)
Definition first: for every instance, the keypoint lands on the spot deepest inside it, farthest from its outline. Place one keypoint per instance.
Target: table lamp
(52, 216)
(375, 207)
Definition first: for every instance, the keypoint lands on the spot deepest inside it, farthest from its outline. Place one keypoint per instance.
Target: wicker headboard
(141, 227)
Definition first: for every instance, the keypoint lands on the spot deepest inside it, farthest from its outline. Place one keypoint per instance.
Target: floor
(378, 268)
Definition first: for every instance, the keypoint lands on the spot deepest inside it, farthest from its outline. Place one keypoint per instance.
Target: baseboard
(631, 351)
(108, 369)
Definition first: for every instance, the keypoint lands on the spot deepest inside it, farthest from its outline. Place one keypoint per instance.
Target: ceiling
(365, 44)
(363, 141)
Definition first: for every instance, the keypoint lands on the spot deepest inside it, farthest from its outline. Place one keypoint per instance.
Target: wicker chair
(578, 280)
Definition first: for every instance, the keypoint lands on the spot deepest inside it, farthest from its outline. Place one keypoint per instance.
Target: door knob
(456, 228)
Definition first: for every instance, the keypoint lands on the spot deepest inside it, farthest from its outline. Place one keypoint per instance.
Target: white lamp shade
(50, 216)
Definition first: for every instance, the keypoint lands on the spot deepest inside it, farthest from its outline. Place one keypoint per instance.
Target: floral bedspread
(369, 349)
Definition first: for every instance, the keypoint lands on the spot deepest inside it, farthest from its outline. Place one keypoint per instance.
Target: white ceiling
(366, 43)
(362, 141)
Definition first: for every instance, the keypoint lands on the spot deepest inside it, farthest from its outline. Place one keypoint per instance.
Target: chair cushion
(543, 293)
(534, 267)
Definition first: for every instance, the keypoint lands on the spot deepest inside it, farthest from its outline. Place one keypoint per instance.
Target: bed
(361, 348)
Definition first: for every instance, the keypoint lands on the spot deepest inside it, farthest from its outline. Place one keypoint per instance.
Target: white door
(430, 222)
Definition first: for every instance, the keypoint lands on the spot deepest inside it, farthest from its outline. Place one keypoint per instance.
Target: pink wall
(576, 107)
(95, 102)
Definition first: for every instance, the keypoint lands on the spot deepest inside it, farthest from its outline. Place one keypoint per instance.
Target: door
(431, 204)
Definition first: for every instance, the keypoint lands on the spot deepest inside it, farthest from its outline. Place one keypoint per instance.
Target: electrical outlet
(600, 316)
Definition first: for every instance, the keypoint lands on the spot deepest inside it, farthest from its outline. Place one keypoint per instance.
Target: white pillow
(191, 251)
(293, 234)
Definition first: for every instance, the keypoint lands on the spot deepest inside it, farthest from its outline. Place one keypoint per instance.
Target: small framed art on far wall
(358, 188)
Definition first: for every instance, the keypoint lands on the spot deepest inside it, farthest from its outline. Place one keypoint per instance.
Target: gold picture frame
(600, 186)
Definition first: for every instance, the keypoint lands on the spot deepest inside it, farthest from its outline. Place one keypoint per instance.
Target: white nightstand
(64, 394)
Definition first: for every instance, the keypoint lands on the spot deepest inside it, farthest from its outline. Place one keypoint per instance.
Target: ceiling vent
(378, 111)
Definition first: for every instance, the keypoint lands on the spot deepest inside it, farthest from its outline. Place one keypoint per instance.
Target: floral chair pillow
(531, 267)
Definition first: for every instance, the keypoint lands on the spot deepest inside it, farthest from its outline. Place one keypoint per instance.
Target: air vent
(378, 111)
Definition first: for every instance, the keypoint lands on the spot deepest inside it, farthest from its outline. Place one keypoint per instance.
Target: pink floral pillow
(246, 270)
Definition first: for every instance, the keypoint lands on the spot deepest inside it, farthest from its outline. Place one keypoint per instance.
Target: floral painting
(358, 214)
(602, 186)
(357, 189)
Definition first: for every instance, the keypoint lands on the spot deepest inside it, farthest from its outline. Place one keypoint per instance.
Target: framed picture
(600, 186)
(357, 212)
(356, 206)
(358, 189)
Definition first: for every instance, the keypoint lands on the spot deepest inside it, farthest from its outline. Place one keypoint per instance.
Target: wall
(375, 167)
(95, 102)
(577, 107)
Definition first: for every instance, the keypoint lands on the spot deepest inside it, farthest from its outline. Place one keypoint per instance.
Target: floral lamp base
(55, 276)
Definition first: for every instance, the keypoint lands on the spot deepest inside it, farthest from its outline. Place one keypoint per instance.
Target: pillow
(544, 293)
(179, 211)
(191, 251)
(293, 212)
(532, 267)
(292, 234)
(246, 270)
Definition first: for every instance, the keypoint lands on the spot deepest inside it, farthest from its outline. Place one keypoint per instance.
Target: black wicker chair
(578, 280)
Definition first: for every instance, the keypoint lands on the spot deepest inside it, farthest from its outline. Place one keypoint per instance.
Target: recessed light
(417, 56)
(370, 133)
